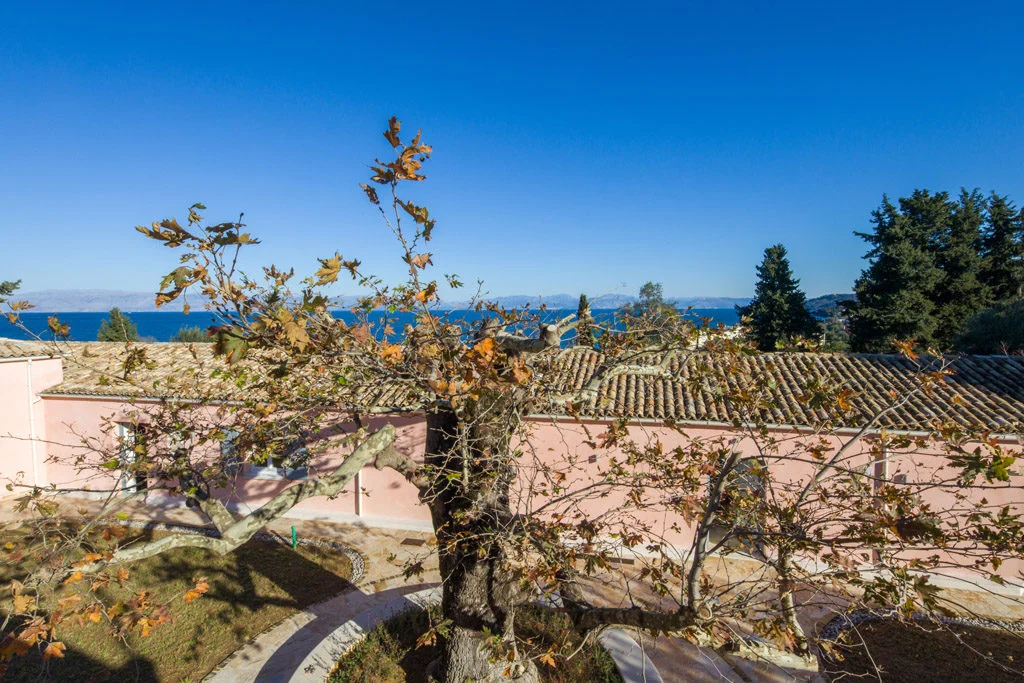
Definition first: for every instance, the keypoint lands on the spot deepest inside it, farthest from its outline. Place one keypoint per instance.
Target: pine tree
(894, 292)
(7, 288)
(959, 292)
(117, 327)
(1002, 249)
(778, 313)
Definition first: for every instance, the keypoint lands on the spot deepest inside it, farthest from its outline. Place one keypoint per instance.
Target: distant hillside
(102, 300)
(823, 306)
(95, 301)
(711, 301)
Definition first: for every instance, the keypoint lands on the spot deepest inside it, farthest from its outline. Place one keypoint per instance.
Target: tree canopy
(778, 312)
(117, 327)
(935, 262)
(192, 334)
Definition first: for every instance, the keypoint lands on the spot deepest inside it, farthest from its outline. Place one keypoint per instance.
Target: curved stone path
(305, 647)
(300, 647)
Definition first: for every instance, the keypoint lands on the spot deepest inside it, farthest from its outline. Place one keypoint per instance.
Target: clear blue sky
(583, 148)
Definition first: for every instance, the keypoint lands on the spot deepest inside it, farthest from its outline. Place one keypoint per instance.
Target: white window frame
(128, 483)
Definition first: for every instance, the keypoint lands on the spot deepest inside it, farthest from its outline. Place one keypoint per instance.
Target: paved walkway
(305, 647)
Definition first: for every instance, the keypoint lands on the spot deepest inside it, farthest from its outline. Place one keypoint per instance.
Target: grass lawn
(250, 590)
(389, 654)
(927, 653)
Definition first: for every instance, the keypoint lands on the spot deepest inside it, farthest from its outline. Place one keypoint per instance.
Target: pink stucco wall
(384, 498)
(22, 414)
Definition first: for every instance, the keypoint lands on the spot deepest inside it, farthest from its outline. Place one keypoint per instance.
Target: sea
(160, 326)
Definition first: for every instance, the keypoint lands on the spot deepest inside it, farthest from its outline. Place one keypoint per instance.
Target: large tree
(651, 313)
(510, 522)
(894, 294)
(117, 327)
(778, 312)
(959, 292)
(1002, 250)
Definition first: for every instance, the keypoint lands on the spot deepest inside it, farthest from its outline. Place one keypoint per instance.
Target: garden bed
(389, 654)
(923, 651)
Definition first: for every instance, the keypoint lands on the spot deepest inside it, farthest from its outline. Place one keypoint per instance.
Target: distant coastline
(160, 326)
(102, 300)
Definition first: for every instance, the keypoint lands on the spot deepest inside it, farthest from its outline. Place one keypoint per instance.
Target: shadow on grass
(251, 589)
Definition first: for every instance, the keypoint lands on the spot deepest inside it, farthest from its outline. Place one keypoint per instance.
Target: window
(736, 509)
(133, 476)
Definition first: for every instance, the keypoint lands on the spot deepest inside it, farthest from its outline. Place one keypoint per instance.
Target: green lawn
(251, 589)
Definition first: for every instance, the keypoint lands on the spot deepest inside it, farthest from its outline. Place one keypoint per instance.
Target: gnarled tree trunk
(469, 503)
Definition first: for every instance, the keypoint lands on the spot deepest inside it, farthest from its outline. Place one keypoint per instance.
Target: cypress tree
(894, 292)
(778, 311)
(959, 292)
(117, 327)
(584, 329)
(1002, 247)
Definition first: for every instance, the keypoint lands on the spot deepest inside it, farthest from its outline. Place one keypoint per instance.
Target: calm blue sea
(160, 326)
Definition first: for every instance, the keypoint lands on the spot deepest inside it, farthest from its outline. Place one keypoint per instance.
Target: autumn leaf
(74, 578)
(427, 294)
(23, 603)
(420, 260)
(371, 193)
(546, 658)
(329, 269)
(394, 126)
(54, 649)
(58, 328)
(906, 348)
(391, 353)
(200, 587)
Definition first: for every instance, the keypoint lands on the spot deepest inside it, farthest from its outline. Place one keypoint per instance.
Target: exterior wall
(22, 418)
(384, 498)
(75, 438)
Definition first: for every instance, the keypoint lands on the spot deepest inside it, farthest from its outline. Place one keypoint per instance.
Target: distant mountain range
(102, 300)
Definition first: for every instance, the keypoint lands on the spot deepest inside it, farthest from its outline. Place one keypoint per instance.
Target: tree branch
(400, 462)
(245, 528)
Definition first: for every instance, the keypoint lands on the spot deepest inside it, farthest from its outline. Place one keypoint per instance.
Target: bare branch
(245, 528)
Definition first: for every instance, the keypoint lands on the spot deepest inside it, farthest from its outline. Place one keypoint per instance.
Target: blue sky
(584, 147)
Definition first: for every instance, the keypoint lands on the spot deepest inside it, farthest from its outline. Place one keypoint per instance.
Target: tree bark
(469, 504)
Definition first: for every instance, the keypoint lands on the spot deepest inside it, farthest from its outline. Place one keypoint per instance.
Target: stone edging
(358, 563)
(633, 664)
(844, 622)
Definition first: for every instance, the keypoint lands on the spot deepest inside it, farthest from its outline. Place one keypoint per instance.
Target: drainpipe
(32, 422)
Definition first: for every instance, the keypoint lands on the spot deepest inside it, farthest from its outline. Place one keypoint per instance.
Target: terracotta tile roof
(990, 388)
(98, 369)
(17, 348)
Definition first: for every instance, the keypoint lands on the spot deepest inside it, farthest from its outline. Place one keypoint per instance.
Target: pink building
(51, 405)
